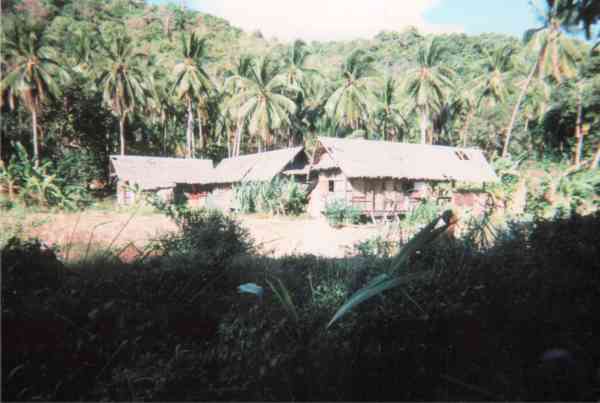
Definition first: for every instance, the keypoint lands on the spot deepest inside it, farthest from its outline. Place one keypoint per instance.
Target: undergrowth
(483, 324)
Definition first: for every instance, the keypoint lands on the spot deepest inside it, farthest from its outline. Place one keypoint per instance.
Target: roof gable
(254, 167)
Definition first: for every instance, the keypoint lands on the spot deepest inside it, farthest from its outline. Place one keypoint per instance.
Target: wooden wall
(372, 196)
(127, 197)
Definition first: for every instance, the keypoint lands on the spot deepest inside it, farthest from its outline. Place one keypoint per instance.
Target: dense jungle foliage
(101, 77)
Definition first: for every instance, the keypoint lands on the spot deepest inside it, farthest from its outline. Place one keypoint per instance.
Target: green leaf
(284, 298)
(378, 285)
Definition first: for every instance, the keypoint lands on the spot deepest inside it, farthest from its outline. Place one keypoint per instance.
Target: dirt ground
(275, 236)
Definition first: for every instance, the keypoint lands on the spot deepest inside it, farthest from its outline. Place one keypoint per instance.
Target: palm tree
(582, 93)
(122, 81)
(352, 102)
(428, 85)
(159, 106)
(234, 80)
(81, 47)
(192, 81)
(466, 104)
(223, 122)
(556, 56)
(389, 119)
(298, 75)
(263, 101)
(495, 85)
(294, 65)
(31, 74)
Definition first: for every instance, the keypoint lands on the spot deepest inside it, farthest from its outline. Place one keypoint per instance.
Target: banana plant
(39, 187)
(9, 179)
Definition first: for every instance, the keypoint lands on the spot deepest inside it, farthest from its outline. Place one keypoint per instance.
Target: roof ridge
(341, 139)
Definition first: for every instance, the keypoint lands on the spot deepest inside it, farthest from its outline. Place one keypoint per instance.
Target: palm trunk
(189, 131)
(235, 141)
(122, 133)
(238, 140)
(578, 131)
(108, 143)
(596, 160)
(229, 145)
(164, 139)
(193, 153)
(513, 118)
(11, 190)
(36, 152)
(423, 125)
(465, 129)
(200, 132)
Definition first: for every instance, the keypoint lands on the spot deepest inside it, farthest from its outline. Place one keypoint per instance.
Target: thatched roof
(254, 167)
(160, 172)
(384, 159)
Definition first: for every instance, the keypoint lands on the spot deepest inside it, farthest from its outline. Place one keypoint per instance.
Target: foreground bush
(206, 238)
(511, 321)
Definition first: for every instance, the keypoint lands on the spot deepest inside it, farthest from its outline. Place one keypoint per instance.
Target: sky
(350, 19)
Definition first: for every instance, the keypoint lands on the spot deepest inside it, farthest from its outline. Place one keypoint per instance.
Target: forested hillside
(85, 79)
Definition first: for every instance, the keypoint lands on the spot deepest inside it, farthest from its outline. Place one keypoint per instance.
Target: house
(156, 174)
(386, 178)
(257, 167)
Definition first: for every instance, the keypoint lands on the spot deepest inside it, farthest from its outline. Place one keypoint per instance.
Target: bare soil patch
(275, 236)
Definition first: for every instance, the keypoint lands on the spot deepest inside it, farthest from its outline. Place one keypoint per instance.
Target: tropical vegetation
(181, 83)
(506, 311)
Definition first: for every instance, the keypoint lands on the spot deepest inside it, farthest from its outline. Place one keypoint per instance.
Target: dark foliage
(512, 322)
(207, 238)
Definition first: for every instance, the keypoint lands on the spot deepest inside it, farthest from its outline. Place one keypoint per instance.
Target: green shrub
(28, 265)
(425, 212)
(279, 196)
(207, 238)
(6, 203)
(581, 187)
(377, 246)
(339, 212)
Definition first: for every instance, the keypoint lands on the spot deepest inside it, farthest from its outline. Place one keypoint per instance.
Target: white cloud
(323, 19)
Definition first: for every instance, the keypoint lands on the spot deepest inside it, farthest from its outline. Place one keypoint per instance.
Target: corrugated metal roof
(254, 167)
(161, 172)
(384, 159)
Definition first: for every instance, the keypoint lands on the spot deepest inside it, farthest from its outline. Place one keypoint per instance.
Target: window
(461, 155)
(331, 186)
